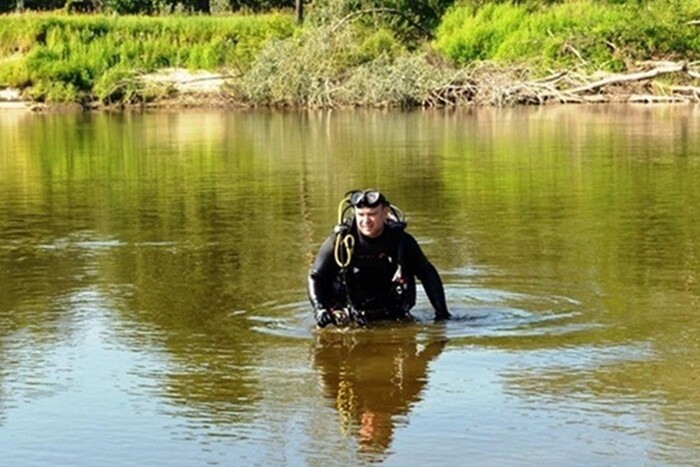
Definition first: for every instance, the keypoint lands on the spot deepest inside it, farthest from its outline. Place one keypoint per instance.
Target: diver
(366, 269)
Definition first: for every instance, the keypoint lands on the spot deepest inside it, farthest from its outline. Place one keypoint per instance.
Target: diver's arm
(428, 276)
(323, 273)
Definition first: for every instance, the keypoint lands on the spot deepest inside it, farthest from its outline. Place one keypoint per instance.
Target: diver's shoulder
(397, 226)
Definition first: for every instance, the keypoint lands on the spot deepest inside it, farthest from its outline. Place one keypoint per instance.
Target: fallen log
(617, 79)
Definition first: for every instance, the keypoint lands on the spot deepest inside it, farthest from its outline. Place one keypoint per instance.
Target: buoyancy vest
(377, 278)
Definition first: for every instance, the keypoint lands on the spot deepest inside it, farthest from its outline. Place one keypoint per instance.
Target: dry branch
(491, 85)
(641, 76)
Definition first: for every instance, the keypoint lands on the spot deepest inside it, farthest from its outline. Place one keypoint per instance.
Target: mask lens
(366, 198)
(356, 197)
(372, 197)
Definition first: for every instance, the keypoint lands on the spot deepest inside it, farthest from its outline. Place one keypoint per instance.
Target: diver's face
(370, 221)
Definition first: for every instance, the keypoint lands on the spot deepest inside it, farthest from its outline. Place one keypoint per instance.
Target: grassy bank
(59, 58)
(484, 54)
(584, 34)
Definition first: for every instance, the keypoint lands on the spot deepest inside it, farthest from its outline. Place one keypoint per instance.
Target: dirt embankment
(186, 89)
(11, 99)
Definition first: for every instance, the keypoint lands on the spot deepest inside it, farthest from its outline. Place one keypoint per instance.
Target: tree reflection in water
(373, 377)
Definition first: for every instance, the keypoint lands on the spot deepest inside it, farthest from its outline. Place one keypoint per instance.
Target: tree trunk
(299, 7)
(202, 6)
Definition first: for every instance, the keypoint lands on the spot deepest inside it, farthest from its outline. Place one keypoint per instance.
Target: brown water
(153, 308)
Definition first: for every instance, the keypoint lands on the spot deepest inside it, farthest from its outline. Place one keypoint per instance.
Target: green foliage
(405, 81)
(52, 92)
(299, 69)
(379, 43)
(259, 5)
(73, 54)
(132, 7)
(348, 52)
(426, 13)
(146, 6)
(579, 33)
(18, 33)
(118, 86)
(339, 66)
(411, 20)
(32, 5)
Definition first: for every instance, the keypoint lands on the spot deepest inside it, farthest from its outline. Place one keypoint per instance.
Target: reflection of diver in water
(374, 377)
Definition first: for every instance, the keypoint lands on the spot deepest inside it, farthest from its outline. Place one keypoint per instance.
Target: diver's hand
(324, 318)
(360, 318)
(442, 316)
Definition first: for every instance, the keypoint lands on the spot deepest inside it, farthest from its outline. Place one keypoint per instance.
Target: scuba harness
(343, 250)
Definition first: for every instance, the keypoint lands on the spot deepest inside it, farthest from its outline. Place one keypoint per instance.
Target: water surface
(153, 309)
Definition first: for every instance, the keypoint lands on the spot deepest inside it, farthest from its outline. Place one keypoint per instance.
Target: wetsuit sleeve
(428, 276)
(322, 276)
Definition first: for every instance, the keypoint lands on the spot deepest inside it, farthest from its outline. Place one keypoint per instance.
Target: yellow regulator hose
(343, 240)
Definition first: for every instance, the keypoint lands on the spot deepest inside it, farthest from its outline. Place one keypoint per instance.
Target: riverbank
(11, 99)
(497, 54)
(181, 88)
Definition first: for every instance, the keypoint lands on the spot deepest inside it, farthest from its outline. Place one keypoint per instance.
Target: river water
(153, 308)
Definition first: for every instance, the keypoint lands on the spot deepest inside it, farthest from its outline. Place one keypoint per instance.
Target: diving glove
(324, 318)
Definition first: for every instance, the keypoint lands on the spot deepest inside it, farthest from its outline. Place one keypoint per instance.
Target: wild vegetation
(79, 58)
(586, 35)
(392, 53)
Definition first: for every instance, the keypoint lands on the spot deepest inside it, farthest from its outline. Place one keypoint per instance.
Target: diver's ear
(387, 211)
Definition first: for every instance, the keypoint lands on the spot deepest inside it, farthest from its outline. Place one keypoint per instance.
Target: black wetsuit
(368, 283)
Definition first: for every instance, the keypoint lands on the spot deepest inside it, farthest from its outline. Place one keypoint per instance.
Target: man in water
(366, 270)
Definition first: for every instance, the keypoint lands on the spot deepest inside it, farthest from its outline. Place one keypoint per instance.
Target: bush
(350, 65)
(405, 82)
(412, 21)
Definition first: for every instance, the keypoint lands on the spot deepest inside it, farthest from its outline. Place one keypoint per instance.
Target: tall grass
(583, 33)
(60, 58)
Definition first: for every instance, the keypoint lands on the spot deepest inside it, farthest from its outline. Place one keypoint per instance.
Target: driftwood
(493, 86)
(451, 94)
(617, 79)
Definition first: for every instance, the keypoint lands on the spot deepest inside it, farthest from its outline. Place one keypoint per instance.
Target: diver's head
(371, 211)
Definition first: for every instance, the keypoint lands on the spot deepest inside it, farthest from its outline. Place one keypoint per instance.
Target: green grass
(585, 33)
(61, 57)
